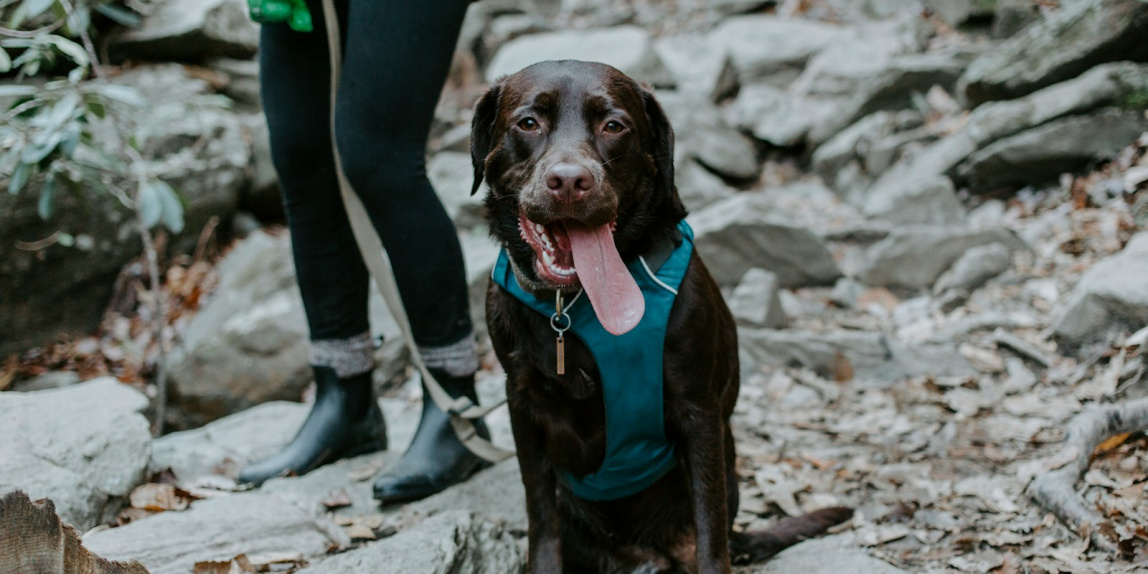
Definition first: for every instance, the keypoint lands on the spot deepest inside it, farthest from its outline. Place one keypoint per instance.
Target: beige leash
(462, 410)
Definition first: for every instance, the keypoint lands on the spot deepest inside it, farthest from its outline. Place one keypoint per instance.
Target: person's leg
(295, 80)
(397, 57)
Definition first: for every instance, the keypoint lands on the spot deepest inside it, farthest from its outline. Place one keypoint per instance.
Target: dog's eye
(528, 124)
(614, 127)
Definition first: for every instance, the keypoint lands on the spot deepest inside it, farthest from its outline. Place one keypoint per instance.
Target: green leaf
(123, 94)
(20, 177)
(96, 107)
(42, 145)
(120, 15)
(29, 9)
(65, 239)
(5, 61)
(47, 203)
(70, 138)
(72, 50)
(151, 205)
(32, 67)
(172, 207)
(14, 90)
(63, 111)
(79, 20)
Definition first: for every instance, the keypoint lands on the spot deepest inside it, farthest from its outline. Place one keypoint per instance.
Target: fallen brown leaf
(160, 497)
(337, 499)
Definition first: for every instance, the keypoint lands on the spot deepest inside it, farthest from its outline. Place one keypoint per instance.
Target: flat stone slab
(84, 447)
(829, 555)
(451, 542)
(214, 529)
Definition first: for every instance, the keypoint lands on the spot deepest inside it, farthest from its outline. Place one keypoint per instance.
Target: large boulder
(219, 528)
(1043, 153)
(1100, 87)
(746, 231)
(191, 30)
(455, 541)
(627, 48)
(766, 47)
(913, 257)
(249, 343)
(50, 290)
(1113, 293)
(84, 447)
(699, 64)
(1078, 37)
(702, 134)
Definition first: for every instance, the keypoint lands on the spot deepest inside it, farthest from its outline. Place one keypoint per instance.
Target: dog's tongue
(615, 296)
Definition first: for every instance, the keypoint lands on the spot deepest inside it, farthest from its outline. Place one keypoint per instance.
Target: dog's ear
(662, 138)
(482, 131)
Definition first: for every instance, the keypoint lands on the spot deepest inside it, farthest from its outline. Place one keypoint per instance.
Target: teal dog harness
(637, 451)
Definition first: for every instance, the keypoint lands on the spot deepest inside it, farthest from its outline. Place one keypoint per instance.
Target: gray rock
(248, 344)
(449, 542)
(1012, 16)
(1101, 86)
(846, 292)
(1079, 36)
(85, 447)
(957, 12)
(699, 64)
(931, 201)
(627, 48)
(765, 46)
(737, 234)
(838, 554)
(865, 10)
(859, 55)
(191, 30)
(869, 357)
(452, 176)
(781, 117)
(495, 493)
(503, 28)
(698, 186)
(755, 301)
(1113, 293)
(913, 257)
(702, 134)
(1043, 153)
(891, 87)
(214, 529)
(842, 148)
(240, 81)
(976, 267)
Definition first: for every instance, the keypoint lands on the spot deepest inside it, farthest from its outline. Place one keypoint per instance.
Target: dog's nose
(569, 182)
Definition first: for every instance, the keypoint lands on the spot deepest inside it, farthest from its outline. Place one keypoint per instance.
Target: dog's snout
(569, 182)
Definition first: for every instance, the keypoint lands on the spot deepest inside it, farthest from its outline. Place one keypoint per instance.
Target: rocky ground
(928, 219)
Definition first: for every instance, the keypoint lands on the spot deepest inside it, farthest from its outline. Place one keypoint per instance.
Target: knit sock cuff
(348, 357)
(457, 359)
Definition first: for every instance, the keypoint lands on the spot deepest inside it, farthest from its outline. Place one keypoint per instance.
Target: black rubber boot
(436, 458)
(345, 421)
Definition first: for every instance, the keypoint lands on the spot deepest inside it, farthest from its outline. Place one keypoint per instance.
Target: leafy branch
(79, 133)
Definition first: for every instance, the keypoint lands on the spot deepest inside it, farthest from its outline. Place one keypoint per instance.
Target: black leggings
(396, 55)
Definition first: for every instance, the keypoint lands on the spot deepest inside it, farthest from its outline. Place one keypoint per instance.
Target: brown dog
(579, 159)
